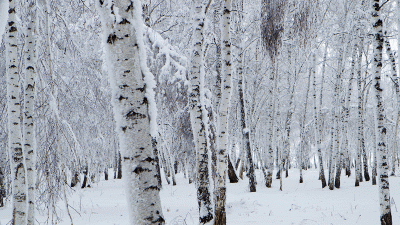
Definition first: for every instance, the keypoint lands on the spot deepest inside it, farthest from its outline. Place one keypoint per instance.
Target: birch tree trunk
(125, 58)
(360, 117)
(302, 128)
(397, 89)
(29, 104)
(347, 112)
(246, 146)
(19, 191)
(319, 133)
(338, 113)
(197, 115)
(317, 130)
(384, 193)
(220, 213)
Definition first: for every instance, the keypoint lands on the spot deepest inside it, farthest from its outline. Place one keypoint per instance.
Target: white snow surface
(298, 204)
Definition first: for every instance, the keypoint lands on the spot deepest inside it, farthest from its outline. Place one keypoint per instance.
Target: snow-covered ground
(299, 204)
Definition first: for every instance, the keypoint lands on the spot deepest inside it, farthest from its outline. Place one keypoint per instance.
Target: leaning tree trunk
(14, 134)
(384, 193)
(397, 89)
(246, 146)
(29, 105)
(197, 113)
(131, 94)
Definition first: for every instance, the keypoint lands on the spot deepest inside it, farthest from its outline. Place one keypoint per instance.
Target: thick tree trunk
(14, 134)
(226, 87)
(29, 105)
(384, 193)
(125, 56)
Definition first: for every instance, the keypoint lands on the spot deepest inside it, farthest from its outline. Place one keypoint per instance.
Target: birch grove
(173, 94)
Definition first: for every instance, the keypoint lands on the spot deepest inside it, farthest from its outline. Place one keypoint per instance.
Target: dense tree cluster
(150, 87)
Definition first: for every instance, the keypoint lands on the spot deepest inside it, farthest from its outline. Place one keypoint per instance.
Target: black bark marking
(10, 23)
(124, 21)
(127, 71)
(152, 188)
(148, 159)
(101, 2)
(111, 38)
(160, 220)
(378, 87)
(132, 115)
(11, 10)
(145, 102)
(123, 86)
(123, 129)
(13, 29)
(141, 89)
(122, 98)
(130, 7)
(30, 68)
(30, 87)
(139, 169)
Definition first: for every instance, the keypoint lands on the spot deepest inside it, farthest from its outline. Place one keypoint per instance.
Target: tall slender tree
(384, 193)
(198, 115)
(14, 134)
(226, 87)
(29, 103)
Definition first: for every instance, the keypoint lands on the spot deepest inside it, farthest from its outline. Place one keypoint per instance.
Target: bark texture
(29, 104)
(19, 191)
(123, 40)
(197, 115)
(384, 193)
(226, 87)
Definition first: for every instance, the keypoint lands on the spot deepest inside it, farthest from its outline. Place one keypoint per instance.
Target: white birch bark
(347, 111)
(317, 130)
(319, 133)
(29, 103)
(197, 114)
(122, 28)
(384, 193)
(397, 89)
(303, 126)
(19, 191)
(360, 117)
(246, 145)
(338, 113)
(226, 87)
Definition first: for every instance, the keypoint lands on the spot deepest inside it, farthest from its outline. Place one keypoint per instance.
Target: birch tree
(198, 114)
(226, 87)
(29, 103)
(384, 193)
(14, 134)
(131, 93)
